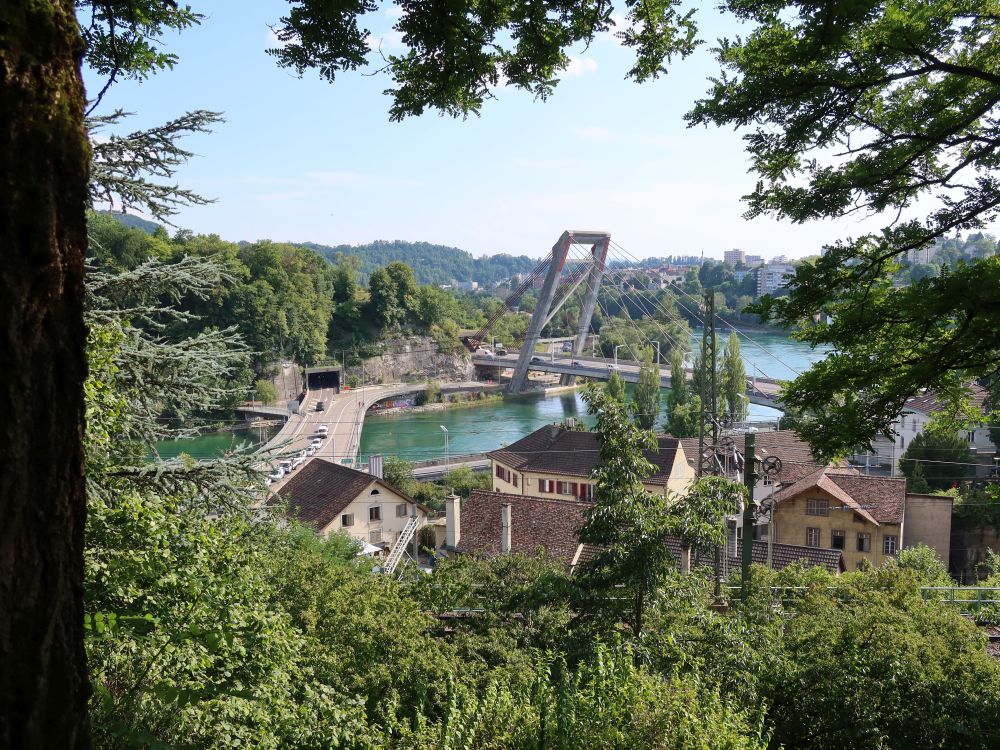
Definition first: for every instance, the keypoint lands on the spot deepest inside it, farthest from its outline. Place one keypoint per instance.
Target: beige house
(836, 508)
(555, 462)
(332, 498)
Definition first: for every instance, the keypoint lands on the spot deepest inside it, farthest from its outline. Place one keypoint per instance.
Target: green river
(488, 426)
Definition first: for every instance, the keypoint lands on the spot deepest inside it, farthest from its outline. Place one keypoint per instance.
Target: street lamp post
(657, 353)
(617, 347)
(447, 453)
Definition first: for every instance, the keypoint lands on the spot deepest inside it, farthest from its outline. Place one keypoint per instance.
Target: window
(838, 539)
(546, 485)
(566, 488)
(890, 544)
(864, 542)
(817, 507)
(375, 536)
(375, 513)
(515, 477)
(972, 436)
(768, 480)
(586, 492)
(401, 510)
(812, 537)
(502, 472)
(347, 519)
(374, 492)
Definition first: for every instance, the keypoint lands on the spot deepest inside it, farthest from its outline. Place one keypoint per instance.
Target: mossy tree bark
(43, 195)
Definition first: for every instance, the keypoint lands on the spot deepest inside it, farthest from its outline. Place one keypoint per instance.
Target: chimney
(571, 423)
(453, 521)
(375, 465)
(505, 528)
(554, 431)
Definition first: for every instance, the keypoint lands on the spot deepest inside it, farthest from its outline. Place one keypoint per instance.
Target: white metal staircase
(396, 553)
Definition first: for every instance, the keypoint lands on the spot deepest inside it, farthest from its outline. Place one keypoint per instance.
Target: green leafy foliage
(872, 107)
(936, 460)
(457, 55)
(646, 394)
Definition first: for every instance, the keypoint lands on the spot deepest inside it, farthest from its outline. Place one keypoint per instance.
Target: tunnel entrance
(319, 378)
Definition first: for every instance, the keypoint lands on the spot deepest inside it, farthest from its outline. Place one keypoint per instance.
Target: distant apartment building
(773, 276)
(735, 257)
(779, 259)
(754, 260)
(741, 274)
(465, 286)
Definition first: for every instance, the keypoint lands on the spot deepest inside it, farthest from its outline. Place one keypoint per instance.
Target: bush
(265, 392)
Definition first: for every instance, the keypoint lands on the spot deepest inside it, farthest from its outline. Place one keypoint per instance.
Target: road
(344, 416)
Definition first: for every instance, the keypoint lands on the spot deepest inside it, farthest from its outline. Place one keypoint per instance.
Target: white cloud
(387, 42)
(394, 11)
(273, 40)
(579, 66)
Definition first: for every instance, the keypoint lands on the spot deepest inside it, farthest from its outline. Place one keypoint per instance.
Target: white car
(316, 442)
(613, 367)
(277, 475)
(286, 466)
(484, 352)
(311, 450)
(298, 461)
(322, 430)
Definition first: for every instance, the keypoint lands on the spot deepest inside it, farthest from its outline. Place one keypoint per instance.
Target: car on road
(537, 361)
(286, 466)
(484, 352)
(276, 475)
(311, 450)
(316, 442)
(323, 430)
(298, 461)
(613, 366)
(501, 350)
(321, 406)
(576, 363)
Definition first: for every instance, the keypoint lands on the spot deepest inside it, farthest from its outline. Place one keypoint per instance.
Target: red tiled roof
(552, 525)
(556, 450)
(548, 524)
(878, 499)
(929, 403)
(321, 490)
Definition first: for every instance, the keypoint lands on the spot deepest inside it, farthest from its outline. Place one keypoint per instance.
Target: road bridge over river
(761, 391)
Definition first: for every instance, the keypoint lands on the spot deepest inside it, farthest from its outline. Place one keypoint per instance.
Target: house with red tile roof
(332, 497)
(837, 508)
(495, 523)
(556, 462)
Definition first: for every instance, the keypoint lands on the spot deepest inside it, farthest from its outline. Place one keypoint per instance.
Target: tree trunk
(43, 196)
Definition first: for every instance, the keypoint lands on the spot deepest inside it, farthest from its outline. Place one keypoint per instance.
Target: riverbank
(466, 399)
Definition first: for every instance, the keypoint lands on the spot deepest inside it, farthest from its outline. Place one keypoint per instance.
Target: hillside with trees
(432, 264)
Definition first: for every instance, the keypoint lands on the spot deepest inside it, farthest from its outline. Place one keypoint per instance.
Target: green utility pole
(749, 479)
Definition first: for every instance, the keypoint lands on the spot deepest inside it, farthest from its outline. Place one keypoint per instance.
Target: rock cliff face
(416, 358)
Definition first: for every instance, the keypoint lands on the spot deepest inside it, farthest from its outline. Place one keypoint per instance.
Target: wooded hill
(432, 264)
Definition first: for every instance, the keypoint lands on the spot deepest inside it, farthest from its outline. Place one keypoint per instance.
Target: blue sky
(301, 159)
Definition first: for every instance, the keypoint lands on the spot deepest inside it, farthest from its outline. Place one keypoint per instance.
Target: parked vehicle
(484, 352)
(537, 361)
(316, 442)
(321, 406)
(286, 466)
(323, 430)
(311, 450)
(500, 349)
(277, 474)
(298, 461)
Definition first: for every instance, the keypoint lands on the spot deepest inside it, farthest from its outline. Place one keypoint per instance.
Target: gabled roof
(877, 499)
(548, 524)
(796, 456)
(321, 490)
(930, 403)
(552, 525)
(556, 450)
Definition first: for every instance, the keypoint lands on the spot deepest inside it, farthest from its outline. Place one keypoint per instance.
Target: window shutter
(576, 489)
